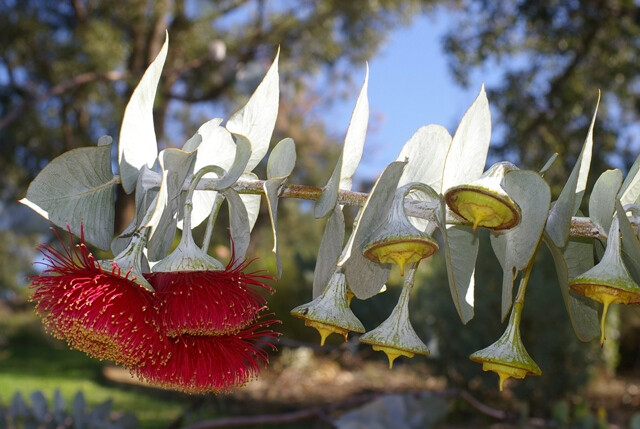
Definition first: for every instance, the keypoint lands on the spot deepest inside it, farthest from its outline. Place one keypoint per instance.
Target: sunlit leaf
(460, 252)
(137, 145)
(468, 151)
(435, 141)
(257, 119)
(365, 277)
(630, 191)
(176, 166)
(547, 165)
(145, 198)
(354, 139)
(516, 247)
(281, 163)
(602, 202)
(568, 203)
(251, 201)
(77, 188)
(630, 244)
(215, 147)
(238, 224)
(575, 259)
(342, 176)
(243, 152)
(282, 159)
(329, 251)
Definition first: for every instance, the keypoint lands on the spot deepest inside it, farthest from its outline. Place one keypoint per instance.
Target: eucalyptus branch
(581, 227)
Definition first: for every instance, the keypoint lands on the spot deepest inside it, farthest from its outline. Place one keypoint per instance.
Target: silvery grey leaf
(76, 189)
(470, 145)
(602, 202)
(365, 277)
(238, 224)
(138, 145)
(583, 312)
(516, 247)
(282, 159)
(568, 203)
(176, 166)
(329, 251)
(257, 119)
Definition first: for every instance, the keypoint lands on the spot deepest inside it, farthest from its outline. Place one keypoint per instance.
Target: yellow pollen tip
(325, 330)
(607, 300)
(504, 372)
(392, 353)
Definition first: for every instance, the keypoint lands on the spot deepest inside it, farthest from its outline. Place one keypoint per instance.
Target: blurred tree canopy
(554, 55)
(67, 68)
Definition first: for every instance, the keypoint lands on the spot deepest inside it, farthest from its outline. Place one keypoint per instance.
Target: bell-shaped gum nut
(330, 313)
(507, 357)
(395, 336)
(188, 256)
(397, 241)
(484, 202)
(609, 281)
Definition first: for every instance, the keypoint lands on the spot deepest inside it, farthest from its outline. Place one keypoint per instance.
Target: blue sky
(409, 86)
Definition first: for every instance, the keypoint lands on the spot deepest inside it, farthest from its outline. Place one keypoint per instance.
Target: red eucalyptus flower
(212, 363)
(104, 314)
(209, 302)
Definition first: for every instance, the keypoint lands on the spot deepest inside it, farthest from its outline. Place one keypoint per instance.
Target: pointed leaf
(583, 312)
(630, 244)
(251, 202)
(280, 165)
(271, 188)
(329, 197)
(76, 188)
(243, 152)
(193, 143)
(602, 202)
(516, 247)
(460, 252)
(365, 277)
(329, 251)
(145, 198)
(425, 153)
(468, 152)
(630, 191)
(238, 224)
(282, 159)
(176, 166)
(435, 141)
(215, 148)
(354, 139)
(547, 165)
(342, 176)
(138, 145)
(568, 203)
(257, 119)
